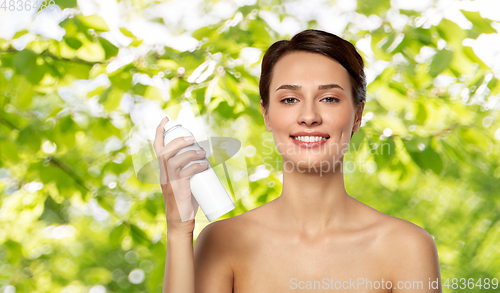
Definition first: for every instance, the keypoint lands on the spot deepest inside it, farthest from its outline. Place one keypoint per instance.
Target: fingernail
(164, 119)
(189, 138)
(204, 163)
(200, 152)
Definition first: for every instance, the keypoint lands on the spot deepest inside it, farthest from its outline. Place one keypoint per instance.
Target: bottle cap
(171, 123)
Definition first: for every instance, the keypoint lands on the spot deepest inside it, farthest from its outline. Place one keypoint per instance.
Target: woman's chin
(312, 163)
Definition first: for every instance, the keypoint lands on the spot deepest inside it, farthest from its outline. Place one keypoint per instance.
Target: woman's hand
(180, 205)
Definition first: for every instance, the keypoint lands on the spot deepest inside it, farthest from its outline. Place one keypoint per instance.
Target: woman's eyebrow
(289, 87)
(330, 86)
(298, 87)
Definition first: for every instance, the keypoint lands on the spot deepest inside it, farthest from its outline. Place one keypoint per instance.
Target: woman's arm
(209, 262)
(212, 252)
(179, 265)
(180, 210)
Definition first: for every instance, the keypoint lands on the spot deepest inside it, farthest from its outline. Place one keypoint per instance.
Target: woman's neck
(313, 202)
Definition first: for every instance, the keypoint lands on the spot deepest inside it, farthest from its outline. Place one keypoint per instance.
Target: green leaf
(205, 32)
(121, 80)
(9, 152)
(475, 140)
(138, 235)
(440, 62)
(416, 143)
(409, 12)
(151, 206)
(111, 98)
(357, 140)
(421, 113)
(116, 235)
(388, 40)
(105, 201)
(477, 82)
(379, 40)
(426, 159)
(373, 7)
(22, 92)
(94, 22)
(28, 137)
(97, 275)
(19, 34)
(245, 10)
(38, 73)
(3, 88)
(53, 213)
(152, 93)
(385, 152)
(483, 25)
(400, 87)
(127, 33)
(14, 252)
(73, 42)
(78, 70)
(71, 26)
(469, 52)
(421, 35)
(66, 3)
(456, 154)
(102, 128)
(260, 37)
(136, 43)
(110, 49)
(25, 61)
(177, 87)
(451, 32)
(91, 52)
(494, 86)
(64, 133)
(155, 279)
(139, 89)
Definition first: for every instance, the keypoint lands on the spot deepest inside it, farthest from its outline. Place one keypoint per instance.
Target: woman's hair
(316, 41)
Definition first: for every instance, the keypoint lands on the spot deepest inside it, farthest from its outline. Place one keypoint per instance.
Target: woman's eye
(287, 99)
(331, 99)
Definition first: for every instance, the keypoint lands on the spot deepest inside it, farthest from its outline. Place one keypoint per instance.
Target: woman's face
(310, 92)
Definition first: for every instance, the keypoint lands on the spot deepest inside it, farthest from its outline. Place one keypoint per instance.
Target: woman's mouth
(309, 141)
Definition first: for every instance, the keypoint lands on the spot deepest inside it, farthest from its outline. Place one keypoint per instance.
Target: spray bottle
(206, 187)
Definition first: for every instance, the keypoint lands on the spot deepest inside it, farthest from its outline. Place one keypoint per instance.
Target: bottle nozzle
(171, 123)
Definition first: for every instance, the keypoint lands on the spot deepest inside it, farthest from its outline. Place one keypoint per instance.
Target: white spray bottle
(206, 187)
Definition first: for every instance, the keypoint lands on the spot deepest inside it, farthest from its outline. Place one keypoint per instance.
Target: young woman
(314, 236)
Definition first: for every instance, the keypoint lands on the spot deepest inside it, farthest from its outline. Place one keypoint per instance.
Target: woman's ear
(359, 116)
(266, 117)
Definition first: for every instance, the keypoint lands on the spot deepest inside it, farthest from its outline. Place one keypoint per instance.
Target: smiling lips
(309, 139)
(315, 133)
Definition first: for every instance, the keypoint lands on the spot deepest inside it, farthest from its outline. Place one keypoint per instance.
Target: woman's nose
(309, 115)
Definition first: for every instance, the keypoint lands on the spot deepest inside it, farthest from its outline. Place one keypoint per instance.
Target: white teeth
(309, 138)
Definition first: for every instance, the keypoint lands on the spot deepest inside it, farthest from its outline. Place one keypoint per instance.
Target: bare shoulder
(217, 236)
(408, 251)
(216, 229)
(214, 255)
(401, 237)
(395, 234)
(227, 235)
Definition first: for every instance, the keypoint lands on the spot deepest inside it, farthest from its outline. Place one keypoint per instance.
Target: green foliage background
(442, 172)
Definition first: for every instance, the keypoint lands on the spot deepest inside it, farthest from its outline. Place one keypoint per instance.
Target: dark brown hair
(316, 41)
